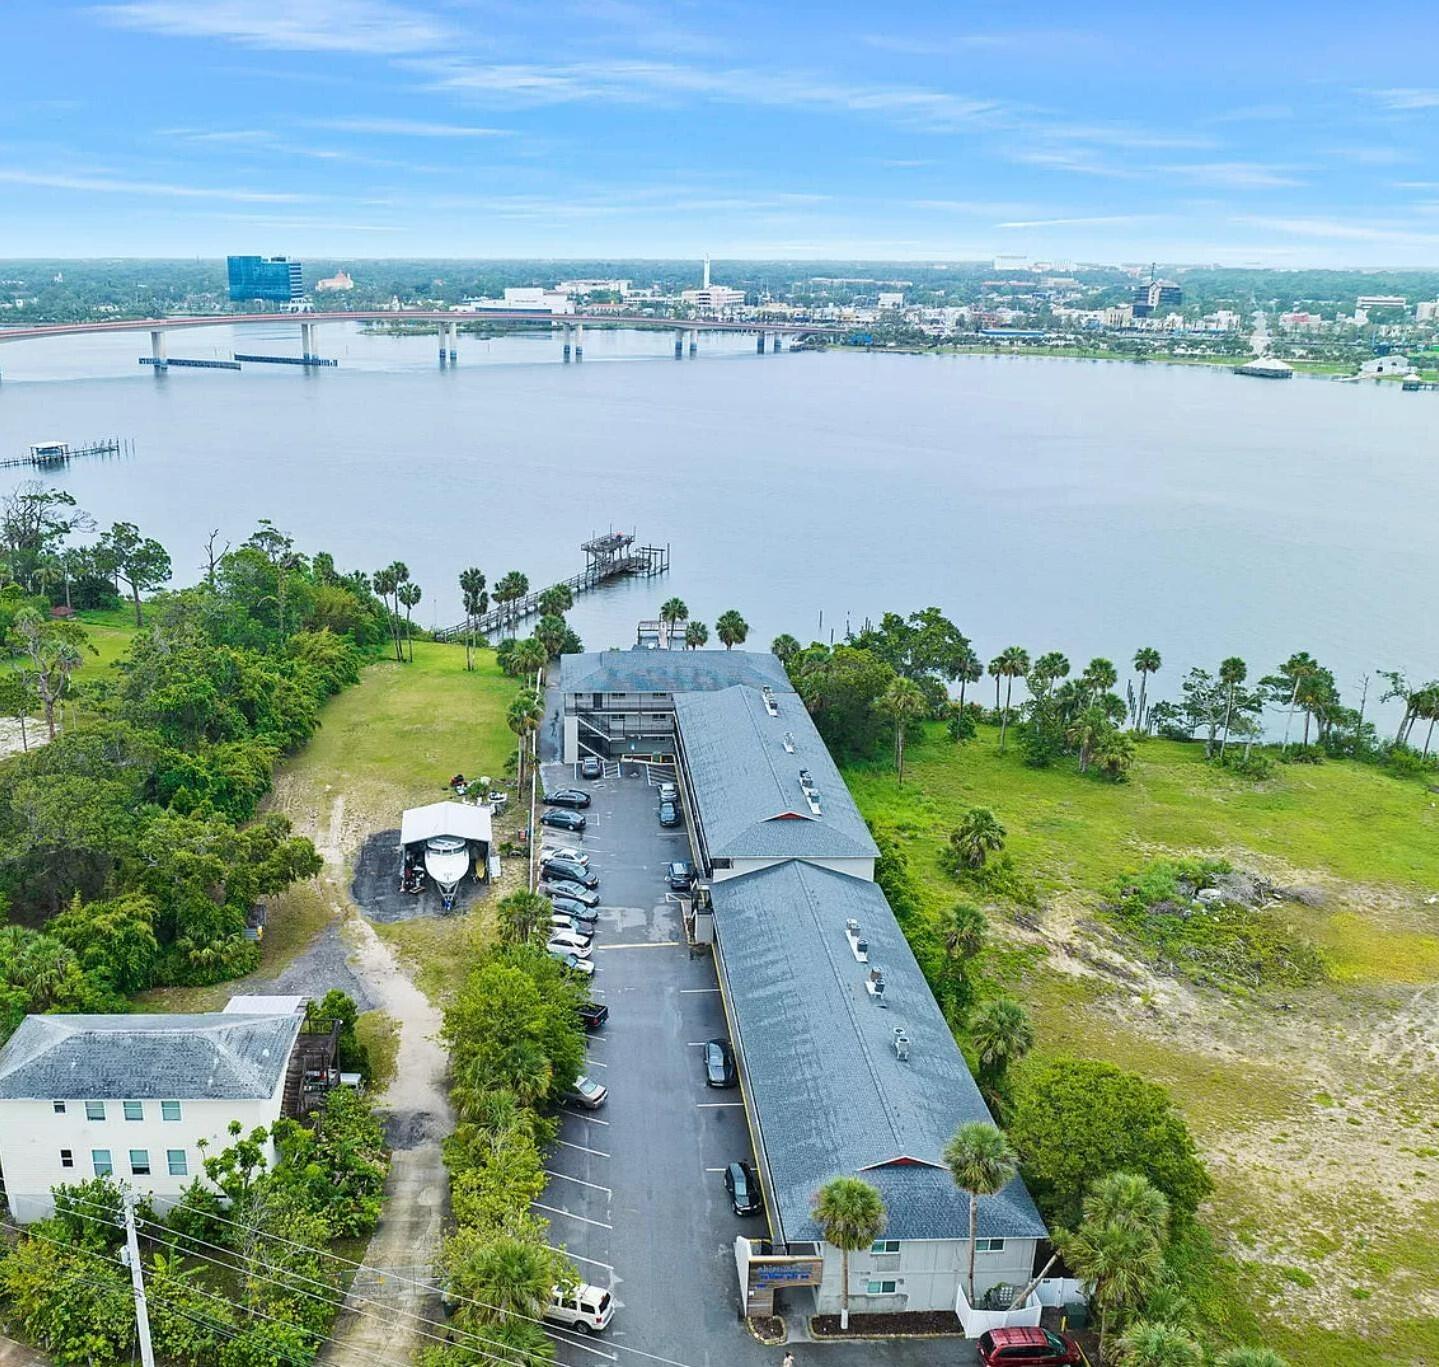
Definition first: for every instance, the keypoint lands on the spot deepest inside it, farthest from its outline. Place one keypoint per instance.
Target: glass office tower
(275, 278)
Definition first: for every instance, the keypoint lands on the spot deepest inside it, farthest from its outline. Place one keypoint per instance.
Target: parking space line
(589, 1348)
(595, 1063)
(714, 1169)
(593, 1261)
(581, 1148)
(717, 1105)
(685, 991)
(584, 1220)
(575, 1115)
(578, 1181)
(645, 944)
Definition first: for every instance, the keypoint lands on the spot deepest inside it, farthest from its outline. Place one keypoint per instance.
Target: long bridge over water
(447, 324)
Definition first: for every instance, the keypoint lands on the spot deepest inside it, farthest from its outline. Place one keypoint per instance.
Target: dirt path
(417, 1116)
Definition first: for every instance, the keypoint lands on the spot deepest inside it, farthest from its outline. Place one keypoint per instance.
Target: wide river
(1083, 506)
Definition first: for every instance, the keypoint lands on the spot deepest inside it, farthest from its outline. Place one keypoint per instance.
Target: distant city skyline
(1283, 136)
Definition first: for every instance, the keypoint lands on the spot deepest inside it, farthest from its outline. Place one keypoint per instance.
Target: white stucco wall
(32, 1134)
(927, 1273)
(855, 868)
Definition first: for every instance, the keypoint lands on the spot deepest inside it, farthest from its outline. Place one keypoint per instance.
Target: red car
(1028, 1348)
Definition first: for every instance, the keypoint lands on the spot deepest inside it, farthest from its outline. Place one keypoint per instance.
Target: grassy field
(1318, 1111)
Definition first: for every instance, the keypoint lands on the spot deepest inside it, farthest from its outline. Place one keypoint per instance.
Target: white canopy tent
(456, 819)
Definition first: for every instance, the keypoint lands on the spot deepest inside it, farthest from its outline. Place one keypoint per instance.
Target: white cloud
(1097, 220)
(408, 128)
(368, 26)
(1332, 230)
(1234, 175)
(1407, 97)
(113, 185)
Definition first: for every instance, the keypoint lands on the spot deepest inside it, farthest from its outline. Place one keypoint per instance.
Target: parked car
(743, 1188)
(584, 967)
(568, 940)
(567, 797)
(680, 875)
(571, 852)
(593, 1015)
(583, 1308)
(565, 868)
(565, 889)
(559, 921)
(719, 1064)
(669, 792)
(562, 820)
(1026, 1347)
(669, 814)
(587, 1093)
(590, 767)
(576, 911)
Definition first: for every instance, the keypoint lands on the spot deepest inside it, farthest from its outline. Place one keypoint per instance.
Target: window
(178, 1165)
(59, 1107)
(884, 1246)
(100, 1158)
(140, 1162)
(881, 1288)
(169, 1110)
(67, 1158)
(989, 1245)
(134, 1110)
(94, 1110)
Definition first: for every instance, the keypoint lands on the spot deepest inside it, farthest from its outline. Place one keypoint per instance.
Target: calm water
(1082, 506)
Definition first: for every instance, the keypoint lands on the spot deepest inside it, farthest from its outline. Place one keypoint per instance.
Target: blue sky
(1278, 134)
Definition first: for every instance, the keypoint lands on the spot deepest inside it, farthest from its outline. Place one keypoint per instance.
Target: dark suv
(681, 876)
(1028, 1348)
(567, 868)
(739, 1181)
(719, 1064)
(590, 767)
(568, 797)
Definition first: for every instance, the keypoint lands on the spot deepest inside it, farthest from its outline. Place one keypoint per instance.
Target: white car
(568, 852)
(585, 1309)
(571, 943)
(561, 924)
(584, 967)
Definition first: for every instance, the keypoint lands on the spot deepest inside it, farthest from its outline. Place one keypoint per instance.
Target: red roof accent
(903, 1161)
(788, 816)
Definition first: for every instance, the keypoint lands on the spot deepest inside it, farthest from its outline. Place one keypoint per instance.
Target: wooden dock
(611, 556)
(53, 456)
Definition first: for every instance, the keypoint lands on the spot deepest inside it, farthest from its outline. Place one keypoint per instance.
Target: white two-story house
(132, 1097)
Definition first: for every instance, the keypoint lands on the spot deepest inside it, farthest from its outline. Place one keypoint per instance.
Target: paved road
(636, 1193)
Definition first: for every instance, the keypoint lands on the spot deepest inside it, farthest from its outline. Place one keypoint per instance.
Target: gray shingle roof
(669, 671)
(219, 1056)
(747, 783)
(829, 1094)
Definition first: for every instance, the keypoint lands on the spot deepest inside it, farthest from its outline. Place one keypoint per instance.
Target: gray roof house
(668, 671)
(761, 786)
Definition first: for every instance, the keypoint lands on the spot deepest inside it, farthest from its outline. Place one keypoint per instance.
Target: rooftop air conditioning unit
(858, 945)
(770, 705)
(874, 985)
(789, 742)
(901, 1044)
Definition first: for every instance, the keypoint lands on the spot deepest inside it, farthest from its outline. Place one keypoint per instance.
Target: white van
(585, 1309)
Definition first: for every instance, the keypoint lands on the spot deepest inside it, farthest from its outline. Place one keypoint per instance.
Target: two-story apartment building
(132, 1097)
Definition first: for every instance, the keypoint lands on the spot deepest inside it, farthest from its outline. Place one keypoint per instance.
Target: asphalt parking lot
(636, 1194)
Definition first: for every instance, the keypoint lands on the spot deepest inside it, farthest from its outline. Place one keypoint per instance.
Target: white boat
(447, 861)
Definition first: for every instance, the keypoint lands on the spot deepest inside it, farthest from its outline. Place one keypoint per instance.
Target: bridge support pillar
(679, 343)
(694, 340)
(579, 341)
(157, 351)
(454, 330)
(307, 342)
(759, 344)
(569, 341)
(778, 342)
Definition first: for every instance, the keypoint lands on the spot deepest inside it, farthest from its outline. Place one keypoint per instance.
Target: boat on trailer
(447, 861)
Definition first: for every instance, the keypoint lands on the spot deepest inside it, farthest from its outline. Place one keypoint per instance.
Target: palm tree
(1249, 1357)
(674, 611)
(1052, 666)
(1002, 1035)
(527, 658)
(556, 600)
(1120, 1262)
(969, 670)
(977, 836)
(981, 1161)
(550, 632)
(1099, 676)
(523, 717)
(409, 595)
(1013, 664)
(996, 668)
(1159, 1345)
(964, 929)
(386, 582)
(1232, 673)
(1128, 1198)
(784, 648)
(901, 702)
(696, 634)
(521, 915)
(731, 628)
(507, 1276)
(1114, 752)
(850, 1214)
(508, 591)
(1147, 661)
(1086, 731)
(475, 600)
(1296, 669)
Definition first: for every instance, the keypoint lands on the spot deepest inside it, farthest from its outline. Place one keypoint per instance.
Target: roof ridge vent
(770, 705)
(789, 741)
(811, 793)
(874, 985)
(858, 945)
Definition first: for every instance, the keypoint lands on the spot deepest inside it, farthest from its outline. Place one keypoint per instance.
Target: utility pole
(137, 1279)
